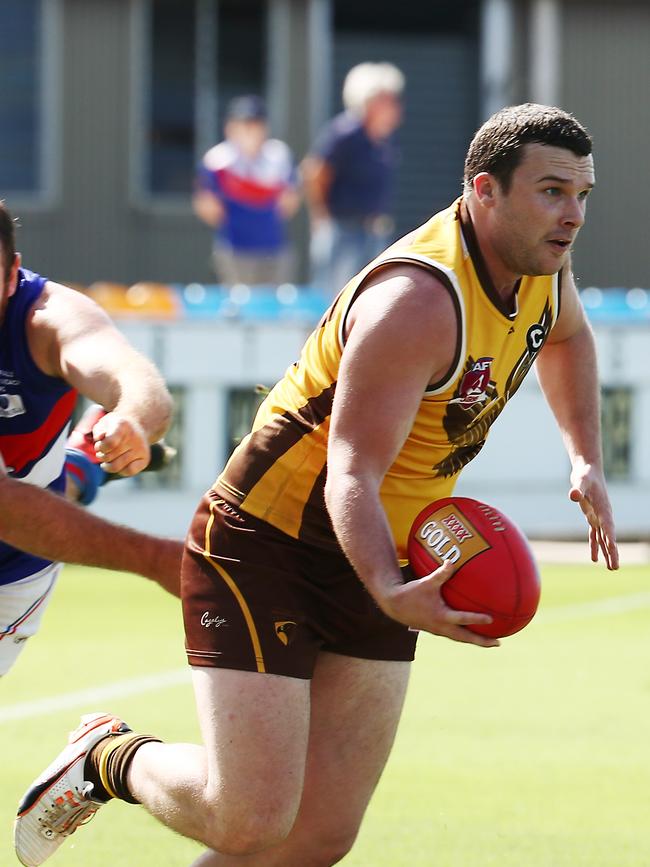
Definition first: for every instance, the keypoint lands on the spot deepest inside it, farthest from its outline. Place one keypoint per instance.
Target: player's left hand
(120, 444)
(589, 490)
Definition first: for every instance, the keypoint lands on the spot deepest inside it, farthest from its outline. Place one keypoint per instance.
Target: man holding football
(300, 622)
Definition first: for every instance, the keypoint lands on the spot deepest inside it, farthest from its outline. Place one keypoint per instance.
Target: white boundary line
(597, 608)
(151, 683)
(568, 553)
(95, 695)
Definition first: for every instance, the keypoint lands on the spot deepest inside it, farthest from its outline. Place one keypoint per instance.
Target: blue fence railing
(290, 302)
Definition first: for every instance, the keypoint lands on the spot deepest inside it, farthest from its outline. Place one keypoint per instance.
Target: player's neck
(495, 276)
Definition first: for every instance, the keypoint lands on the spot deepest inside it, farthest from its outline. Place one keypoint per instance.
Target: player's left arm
(71, 337)
(71, 534)
(567, 370)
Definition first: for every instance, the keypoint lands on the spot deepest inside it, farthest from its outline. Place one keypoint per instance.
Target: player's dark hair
(498, 145)
(7, 239)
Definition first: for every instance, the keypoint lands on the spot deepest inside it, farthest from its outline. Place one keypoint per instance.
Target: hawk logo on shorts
(285, 630)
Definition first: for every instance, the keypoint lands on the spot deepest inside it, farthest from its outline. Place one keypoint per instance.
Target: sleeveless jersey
(278, 471)
(35, 411)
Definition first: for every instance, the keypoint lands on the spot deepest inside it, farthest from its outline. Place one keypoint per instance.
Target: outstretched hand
(120, 444)
(419, 604)
(588, 489)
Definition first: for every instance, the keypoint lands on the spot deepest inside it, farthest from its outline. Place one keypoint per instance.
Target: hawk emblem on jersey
(535, 340)
(469, 414)
(476, 403)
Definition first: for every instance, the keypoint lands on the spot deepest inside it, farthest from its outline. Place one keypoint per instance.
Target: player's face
(536, 222)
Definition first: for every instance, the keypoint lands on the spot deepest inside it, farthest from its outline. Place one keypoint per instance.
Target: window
(241, 22)
(170, 476)
(26, 99)
(242, 406)
(442, 16)
(171, 122)
(617, 431)
(196, 65)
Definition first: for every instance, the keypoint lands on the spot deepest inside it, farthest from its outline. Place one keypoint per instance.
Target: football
(496, 573)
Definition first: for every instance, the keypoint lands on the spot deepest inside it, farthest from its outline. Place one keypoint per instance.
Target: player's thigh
(22, 605)
(356, 706)
(255, 729)
(355, 709)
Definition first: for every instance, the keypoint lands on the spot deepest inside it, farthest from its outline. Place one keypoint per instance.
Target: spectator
(349, 176)
(246, 191)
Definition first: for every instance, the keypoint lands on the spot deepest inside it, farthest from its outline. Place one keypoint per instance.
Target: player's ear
(13, 274)
(485, 188)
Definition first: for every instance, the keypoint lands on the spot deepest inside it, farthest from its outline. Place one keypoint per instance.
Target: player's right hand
(419, 604)
(120, 444)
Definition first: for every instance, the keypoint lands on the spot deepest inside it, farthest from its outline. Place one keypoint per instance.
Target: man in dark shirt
(349, 176)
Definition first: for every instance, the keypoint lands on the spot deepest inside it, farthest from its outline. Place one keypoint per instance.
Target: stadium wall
(214, 363)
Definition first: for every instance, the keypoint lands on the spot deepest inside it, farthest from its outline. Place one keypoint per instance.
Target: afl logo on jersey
(11, 405)
(535, 337)
(473, 386)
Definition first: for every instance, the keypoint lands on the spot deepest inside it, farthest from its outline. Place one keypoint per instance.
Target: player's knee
(331, 848)
(246, 834)
(244, 839)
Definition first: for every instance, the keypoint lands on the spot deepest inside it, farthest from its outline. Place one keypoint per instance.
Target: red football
(496, 572)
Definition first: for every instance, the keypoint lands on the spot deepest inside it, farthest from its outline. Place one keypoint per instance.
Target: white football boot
(60, 800)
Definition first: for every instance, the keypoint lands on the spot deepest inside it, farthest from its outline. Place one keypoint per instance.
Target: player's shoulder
(412, 296)
(59, 293)
(58, 306)
(412, 280)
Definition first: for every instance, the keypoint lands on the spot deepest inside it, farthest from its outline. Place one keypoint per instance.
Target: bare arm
(208, 208)
(567, 370)
(71, 337)
(317, 180)
(289, 202)
(377, 373)
(71, 534)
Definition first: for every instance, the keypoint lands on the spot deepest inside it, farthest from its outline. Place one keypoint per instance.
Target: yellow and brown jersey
(278, 471)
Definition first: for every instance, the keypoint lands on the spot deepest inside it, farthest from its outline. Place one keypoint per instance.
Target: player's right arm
(46, 525)
(70, 337)
(402, 336)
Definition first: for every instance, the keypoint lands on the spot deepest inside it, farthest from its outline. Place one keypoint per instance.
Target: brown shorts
(255, 599)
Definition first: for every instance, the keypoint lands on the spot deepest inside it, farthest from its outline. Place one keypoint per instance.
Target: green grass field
(531, 755)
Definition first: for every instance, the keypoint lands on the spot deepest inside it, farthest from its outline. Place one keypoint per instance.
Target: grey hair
(366, 80)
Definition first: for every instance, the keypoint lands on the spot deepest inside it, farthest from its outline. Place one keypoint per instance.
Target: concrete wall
(604, 75)
(523, 469)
